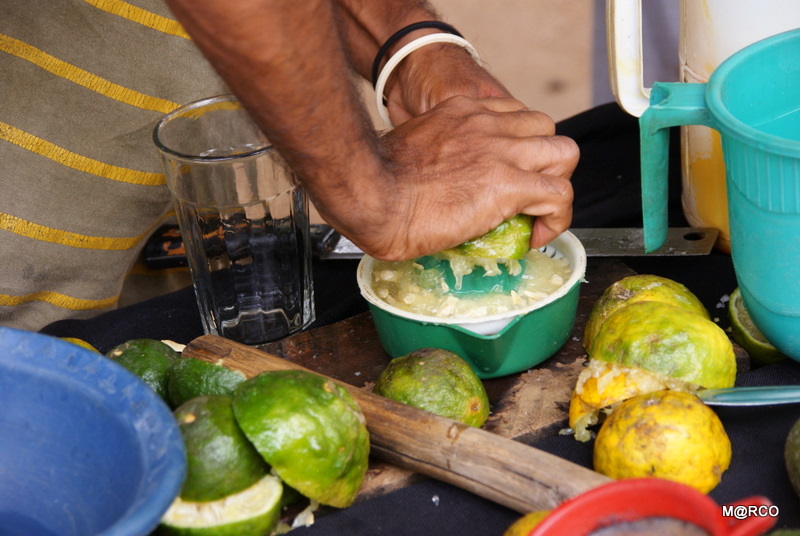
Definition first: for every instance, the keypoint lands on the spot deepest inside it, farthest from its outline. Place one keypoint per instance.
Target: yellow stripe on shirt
(59, 300)
(82, 77)
(36, 231)
(141, 16)
(76, 161)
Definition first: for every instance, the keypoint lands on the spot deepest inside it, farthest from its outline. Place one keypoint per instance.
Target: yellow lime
(509, 240)
(664, 434)
(309, 429)
(220, 460)
(190, 377)
(667, 340)
(81, 343)
(524, 525)
(747, 334)
(634, 289)
(149, 359)
(438, 381)
(648, 346)
(253, 511)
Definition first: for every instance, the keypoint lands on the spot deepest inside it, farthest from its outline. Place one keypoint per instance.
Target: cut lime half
(509, 240)
(253, 511)
(309, 429)
(747, 334)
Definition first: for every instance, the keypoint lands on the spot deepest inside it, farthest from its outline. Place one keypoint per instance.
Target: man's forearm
(367, 24)
(426, 77)
(464, 155)
(283, 61)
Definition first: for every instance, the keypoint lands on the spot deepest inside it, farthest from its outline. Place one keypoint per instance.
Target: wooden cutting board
(525, 406)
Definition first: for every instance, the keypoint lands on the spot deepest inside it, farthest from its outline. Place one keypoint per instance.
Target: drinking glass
(244, 221)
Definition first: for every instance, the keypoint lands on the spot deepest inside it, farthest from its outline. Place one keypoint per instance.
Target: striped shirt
(82, 85)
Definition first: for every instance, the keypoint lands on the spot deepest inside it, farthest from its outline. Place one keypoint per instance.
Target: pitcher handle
(671, 104)
(625, 62)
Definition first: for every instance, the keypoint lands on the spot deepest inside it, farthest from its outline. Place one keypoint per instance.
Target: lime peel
(259, 504)
(509, 240)
(309, 429)
(667, 340)
(748, 336)
(220, 459)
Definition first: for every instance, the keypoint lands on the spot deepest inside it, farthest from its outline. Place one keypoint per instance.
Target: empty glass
(244, 221)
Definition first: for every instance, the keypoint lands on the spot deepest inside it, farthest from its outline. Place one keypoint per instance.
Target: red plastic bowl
(641, 498)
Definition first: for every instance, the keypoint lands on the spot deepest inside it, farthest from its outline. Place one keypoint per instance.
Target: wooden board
(525, 406)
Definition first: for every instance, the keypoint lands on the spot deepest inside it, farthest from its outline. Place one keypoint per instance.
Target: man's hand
(434, 73)
(459, 170)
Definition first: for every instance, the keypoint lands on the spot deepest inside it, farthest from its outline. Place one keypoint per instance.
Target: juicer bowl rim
(566, 241)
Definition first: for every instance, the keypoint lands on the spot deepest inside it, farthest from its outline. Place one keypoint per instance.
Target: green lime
(636, 288)
(149, 359)
(438, 381)
(509, 240)
(220, 460)
(309, 429)
(667, 340)
(81, 343)
(747, 334)
(190, 377)
(254, 511)
(791, 456)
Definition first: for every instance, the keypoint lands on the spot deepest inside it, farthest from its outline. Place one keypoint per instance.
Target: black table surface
(607, 195)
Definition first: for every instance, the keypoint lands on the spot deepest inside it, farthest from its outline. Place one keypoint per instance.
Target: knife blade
(751, 396)
(165, 248)
(629, 242)
(607, 242)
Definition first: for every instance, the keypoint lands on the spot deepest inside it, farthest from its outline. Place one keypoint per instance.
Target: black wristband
(399, 34)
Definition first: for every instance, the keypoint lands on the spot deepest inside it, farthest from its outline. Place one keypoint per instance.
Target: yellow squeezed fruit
(602, 385)
(668, 340)
(649, 333)
(634, 289)
(665, 434)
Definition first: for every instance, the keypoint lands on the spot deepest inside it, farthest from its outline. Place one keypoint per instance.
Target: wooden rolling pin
(502, 470)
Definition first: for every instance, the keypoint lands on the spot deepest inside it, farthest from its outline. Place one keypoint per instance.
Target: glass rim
(182, 110)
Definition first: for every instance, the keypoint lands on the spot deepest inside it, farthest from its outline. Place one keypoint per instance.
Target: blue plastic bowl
(86, 448)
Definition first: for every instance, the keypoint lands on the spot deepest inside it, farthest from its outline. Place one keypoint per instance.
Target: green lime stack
(252, 446)
(277, 434)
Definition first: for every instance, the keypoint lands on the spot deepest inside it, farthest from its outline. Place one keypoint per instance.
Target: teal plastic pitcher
(753, 100)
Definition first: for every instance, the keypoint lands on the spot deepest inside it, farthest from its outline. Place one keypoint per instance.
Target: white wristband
(408, 49)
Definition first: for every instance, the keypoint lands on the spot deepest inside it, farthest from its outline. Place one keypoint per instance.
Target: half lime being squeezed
(493, 262)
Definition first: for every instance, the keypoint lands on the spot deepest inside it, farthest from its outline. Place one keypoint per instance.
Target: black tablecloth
(607, 195)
